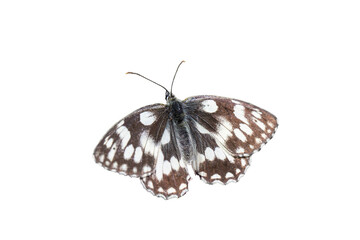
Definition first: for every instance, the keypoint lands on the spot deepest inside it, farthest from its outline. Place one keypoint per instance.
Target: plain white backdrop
(63, 85)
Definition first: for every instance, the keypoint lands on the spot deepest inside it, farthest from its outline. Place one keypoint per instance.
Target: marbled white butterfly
(216, 136)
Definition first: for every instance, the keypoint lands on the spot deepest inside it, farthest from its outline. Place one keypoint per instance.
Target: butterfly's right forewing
(130, 145)
(240, 127)
(226, 133)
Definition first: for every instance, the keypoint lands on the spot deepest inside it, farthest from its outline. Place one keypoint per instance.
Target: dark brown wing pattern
(242, 128)
(130, 145)
(143, 145)
(227, 132)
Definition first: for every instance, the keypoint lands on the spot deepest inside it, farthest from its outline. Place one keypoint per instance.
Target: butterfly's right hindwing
(129, 146)
(213, 163)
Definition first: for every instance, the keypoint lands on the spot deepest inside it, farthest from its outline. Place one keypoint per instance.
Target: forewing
(241, 128)
(130, 145)
(170, 179)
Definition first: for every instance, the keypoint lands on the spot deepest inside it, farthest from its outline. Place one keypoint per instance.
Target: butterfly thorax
(181, 128)
(177, 113)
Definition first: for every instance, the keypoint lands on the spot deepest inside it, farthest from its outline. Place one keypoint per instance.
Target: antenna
(148, 80)
(175, 76)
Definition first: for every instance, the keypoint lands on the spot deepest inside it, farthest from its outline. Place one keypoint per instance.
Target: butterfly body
(179, 122)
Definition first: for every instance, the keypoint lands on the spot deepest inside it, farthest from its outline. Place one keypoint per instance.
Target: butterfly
(215, 136)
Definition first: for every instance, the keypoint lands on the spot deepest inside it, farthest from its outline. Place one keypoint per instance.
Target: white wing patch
(159, 165)
(129, 150)
(209, 154)
(239, 112)
(240, 135)
(166, 136)
(138, 155)
(147, 118)
(174, 163)
(209, 106)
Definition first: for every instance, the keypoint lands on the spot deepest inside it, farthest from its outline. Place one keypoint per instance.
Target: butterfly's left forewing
(129, 147)
(143, 145)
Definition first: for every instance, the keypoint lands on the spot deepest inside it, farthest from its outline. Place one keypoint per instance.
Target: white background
(63, 85)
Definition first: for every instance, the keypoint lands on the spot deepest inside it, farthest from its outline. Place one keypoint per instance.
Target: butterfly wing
(240, 127)
(227, 132)
(129, 147)
(170, 178)
(213, 162)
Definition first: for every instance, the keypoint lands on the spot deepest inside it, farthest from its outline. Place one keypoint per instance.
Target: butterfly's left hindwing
(130, 145)
(170, 178)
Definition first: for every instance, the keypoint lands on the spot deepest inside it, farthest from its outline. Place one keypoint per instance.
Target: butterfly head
(169, 96)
